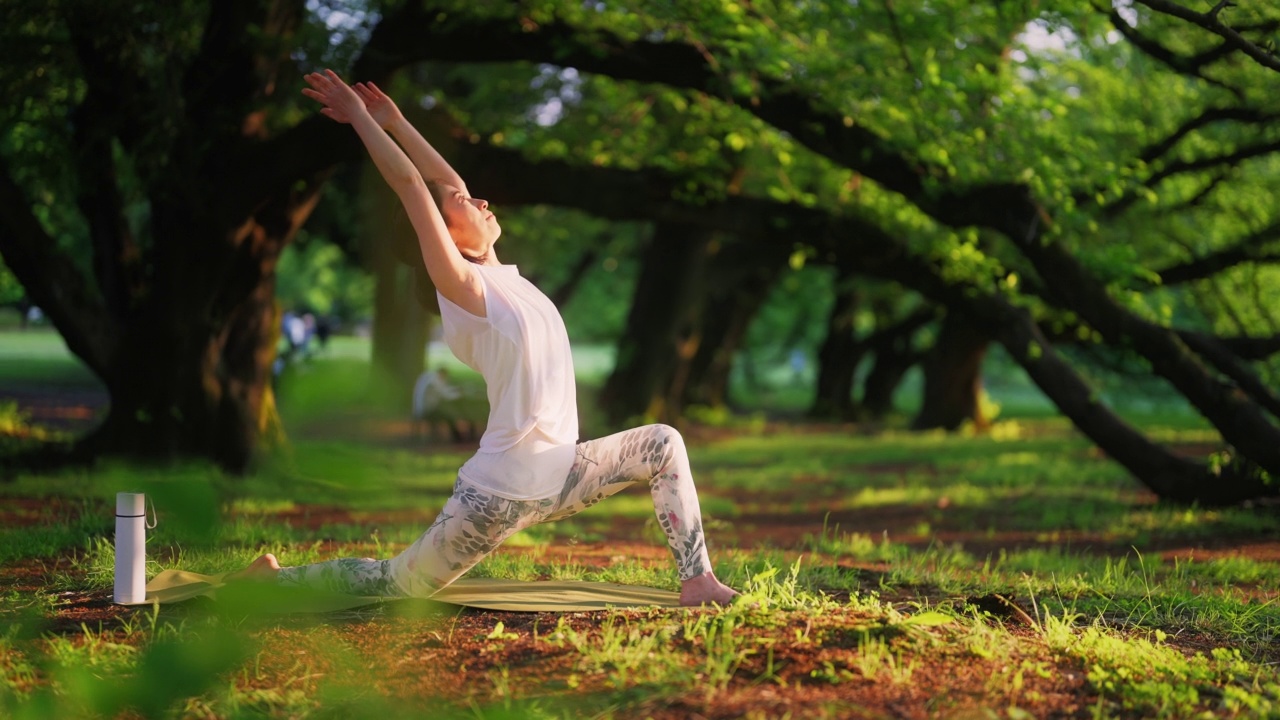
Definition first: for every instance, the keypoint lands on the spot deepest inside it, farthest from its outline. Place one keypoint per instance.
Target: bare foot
(705, 589)
(264, 568)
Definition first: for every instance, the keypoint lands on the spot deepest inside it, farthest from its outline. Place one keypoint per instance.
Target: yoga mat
(172, 586)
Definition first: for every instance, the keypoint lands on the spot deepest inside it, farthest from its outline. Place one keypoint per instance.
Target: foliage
(1128, 140)
(314, 276)
(10, 289)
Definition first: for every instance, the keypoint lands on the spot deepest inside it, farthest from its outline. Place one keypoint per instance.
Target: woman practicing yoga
(528, 469)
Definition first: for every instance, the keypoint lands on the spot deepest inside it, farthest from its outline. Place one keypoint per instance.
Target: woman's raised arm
(430, 163)
(452, 274)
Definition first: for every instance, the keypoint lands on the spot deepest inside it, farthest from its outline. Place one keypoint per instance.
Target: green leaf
(930, 618)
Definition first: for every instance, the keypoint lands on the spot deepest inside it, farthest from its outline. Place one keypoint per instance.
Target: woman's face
(473, 227)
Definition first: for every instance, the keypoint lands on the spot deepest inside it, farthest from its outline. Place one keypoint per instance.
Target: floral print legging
(474, 522)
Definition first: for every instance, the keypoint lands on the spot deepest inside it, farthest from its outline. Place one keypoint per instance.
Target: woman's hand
(382, 108)
(340, 102)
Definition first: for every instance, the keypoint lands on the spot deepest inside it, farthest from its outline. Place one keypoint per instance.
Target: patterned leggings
(474, 522)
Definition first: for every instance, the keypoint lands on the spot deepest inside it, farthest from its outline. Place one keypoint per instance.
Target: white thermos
(131, 548)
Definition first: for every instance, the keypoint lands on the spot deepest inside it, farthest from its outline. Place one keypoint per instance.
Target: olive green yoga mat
(172, 586)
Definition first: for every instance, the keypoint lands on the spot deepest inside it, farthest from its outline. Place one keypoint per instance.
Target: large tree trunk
(178, 324)
(182, 387)
(190, 371)
(953, 377)
(839, 355)
(661, 325)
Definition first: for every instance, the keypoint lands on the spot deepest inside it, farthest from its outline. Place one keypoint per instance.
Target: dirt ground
(449, 655)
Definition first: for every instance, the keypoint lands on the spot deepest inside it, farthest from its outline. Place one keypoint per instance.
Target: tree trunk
(191, 373)
(183, 389)
(891, 363)
(661, 325)
(893, 349)
(839, 355)
(724, 329)
(738, 279)
(953, 377)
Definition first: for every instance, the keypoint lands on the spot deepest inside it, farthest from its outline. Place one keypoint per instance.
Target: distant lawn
(37, 357)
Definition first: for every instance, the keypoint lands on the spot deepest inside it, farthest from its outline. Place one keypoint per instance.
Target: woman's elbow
(407, 181)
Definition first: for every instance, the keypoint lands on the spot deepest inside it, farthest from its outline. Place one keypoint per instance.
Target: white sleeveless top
(522, 350)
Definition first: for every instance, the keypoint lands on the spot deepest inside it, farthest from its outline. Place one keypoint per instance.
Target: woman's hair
(435, 187)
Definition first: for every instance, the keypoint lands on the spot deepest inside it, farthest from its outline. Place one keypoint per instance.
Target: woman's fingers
(330, 90)
(333, 78)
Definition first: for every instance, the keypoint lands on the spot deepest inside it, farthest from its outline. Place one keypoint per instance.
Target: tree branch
(117, 97)
(1181, 64)
(316, 144)
(1247, 249)
(680, 65)
(1252, 348)
(1172, 477)
(1207, 117)
(1009, 208)
(1214, 161)
(52, 281)
(509, 178)
(1221, 357)
(1209, 21)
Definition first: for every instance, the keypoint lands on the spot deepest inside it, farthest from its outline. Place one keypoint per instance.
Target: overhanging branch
(1209, 21)
(1010, 208)
(1185, 65)
(1209, 116)
(1248, 249)
(507, 177)
(313, 146)
(1230, 159)
(52, 280)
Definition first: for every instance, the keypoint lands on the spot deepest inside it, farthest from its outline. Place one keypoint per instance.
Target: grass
(38, 355)
(873, 568)
(837, 614)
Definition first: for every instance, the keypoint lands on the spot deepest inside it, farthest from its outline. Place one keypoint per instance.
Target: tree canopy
(1081, 173)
